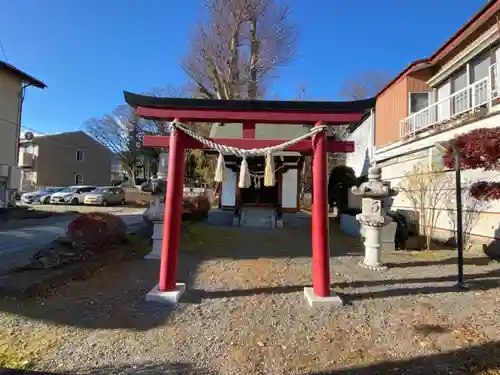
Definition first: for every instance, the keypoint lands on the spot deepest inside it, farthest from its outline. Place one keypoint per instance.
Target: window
(118, 191)
(80, 155)
(419, 101)
(443, 93)
(460, 102)
(78, 179)
(480, 67)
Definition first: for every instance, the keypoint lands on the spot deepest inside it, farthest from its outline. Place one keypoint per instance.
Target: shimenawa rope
(245, 180)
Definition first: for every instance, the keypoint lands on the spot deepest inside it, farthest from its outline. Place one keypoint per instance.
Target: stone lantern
(373, 218)
(153, 216)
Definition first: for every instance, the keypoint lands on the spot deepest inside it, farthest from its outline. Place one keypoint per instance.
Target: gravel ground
(245, 313)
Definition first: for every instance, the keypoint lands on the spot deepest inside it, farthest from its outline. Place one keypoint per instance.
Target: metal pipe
(460, 232)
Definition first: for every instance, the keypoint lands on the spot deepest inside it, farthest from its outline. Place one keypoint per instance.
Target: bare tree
(239, 48)
(427, 190)
(471, 213)
(118, 132)
(364, 85)
(157, 127)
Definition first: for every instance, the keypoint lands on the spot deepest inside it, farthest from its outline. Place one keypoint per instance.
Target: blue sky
(89, 51)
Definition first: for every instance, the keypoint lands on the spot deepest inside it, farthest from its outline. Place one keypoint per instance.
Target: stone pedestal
(373, 244)
(157, 238)
(388, 235)
(155, 214)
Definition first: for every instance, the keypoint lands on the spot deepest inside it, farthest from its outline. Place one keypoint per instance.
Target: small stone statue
(373, 217)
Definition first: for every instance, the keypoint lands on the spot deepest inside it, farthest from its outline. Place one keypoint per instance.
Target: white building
(454, 91)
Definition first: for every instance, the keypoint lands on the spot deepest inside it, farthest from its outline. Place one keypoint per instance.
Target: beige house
(64, 159)
(13, 83)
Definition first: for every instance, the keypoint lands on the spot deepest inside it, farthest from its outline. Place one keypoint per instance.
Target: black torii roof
(358, 106)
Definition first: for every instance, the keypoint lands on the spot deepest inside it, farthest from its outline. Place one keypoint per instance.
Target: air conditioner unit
(15, 178)
(4, 171)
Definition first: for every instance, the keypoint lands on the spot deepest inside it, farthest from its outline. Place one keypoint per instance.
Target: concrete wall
(397, 163)
(362, 136)
(359, 160)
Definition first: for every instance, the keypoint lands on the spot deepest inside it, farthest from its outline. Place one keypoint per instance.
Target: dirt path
(245, 313)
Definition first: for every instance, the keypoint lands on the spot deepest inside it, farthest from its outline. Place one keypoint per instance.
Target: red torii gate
(248, 112)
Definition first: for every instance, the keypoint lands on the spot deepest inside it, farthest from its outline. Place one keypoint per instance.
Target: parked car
(40, 196)
(105, 195)
(71, 195)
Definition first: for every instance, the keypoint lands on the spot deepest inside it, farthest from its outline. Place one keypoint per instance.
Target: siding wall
(10, 88)
(56, 164)
(392, 106)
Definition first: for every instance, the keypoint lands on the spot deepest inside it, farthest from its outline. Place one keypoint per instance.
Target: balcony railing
(477, 95)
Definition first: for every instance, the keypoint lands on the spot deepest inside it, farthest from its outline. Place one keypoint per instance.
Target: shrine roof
(359, 106)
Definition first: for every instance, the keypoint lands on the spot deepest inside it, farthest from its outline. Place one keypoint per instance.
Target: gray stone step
(258, 218)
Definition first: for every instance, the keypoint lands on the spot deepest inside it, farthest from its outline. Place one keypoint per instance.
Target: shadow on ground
(166, 368)
(475, 282)
(474, 360)
(114, 297)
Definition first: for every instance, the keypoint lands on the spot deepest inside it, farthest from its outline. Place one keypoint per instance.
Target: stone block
(171, 297)
(317, 301)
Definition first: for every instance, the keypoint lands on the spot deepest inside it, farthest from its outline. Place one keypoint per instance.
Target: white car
(41, 196)
(71, 195)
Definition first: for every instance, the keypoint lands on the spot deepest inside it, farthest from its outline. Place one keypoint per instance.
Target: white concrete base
(167, 298)
(279, 223)
(317, 301)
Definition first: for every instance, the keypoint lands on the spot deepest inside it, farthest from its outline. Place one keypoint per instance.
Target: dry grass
(24, 348)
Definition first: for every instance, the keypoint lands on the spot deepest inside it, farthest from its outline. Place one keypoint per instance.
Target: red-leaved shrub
(485, 190)
(479, 148)
(97, 229)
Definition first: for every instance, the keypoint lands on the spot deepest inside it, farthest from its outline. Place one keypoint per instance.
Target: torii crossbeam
(248, 112)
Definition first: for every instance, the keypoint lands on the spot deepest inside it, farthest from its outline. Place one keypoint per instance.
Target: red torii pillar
(320, 241)
(173, 212)
(178, 142)
(248, 113)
